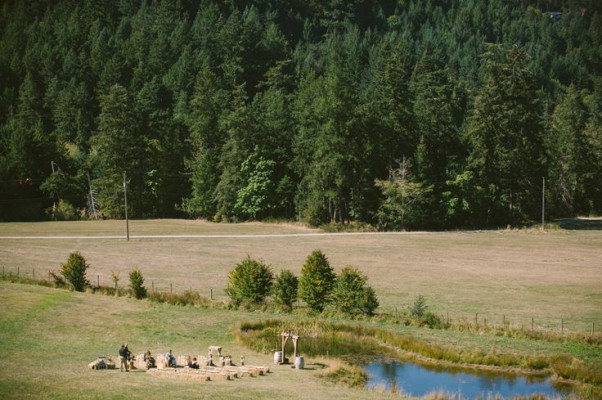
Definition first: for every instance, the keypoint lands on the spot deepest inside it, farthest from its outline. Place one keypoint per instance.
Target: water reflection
(415, 380)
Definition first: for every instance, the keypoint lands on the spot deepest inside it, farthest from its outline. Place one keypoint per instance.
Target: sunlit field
(47, 336)
(549, 279)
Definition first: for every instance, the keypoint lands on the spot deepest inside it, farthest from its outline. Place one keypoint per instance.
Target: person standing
(128, 358)
(123, 357)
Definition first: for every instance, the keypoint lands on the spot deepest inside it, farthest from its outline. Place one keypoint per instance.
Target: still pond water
(415, 380)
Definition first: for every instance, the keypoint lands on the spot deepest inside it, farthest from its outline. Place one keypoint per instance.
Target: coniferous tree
(317, 281)
(332, 93)
(285, 289)
(566, 149)
(116, 149)
(505, 137)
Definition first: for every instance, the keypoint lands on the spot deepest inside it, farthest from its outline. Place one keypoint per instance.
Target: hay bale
(102, 362)
(182, 360)
(183, 373)
(161, 363)
(203, 361)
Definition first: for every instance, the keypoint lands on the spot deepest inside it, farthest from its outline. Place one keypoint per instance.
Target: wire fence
(504, 322)
(100, 280)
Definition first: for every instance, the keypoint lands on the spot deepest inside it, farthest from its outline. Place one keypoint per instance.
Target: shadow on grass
(580, 223)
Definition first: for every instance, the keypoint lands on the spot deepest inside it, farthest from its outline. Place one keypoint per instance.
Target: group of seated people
(191, 362)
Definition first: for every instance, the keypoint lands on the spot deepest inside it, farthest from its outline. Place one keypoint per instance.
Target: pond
(418, 381)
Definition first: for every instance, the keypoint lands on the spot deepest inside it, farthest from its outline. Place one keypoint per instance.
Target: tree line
(403, 114)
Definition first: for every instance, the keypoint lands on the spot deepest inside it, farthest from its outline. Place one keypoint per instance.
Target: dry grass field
(554, 277)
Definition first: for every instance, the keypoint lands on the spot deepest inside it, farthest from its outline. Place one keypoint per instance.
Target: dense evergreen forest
(404, 114)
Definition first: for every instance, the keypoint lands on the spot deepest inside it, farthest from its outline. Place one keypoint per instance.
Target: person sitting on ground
(192, 363)
(171, 360)
(149, 360)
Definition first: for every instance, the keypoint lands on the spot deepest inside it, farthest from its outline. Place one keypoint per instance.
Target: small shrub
(57, 279)
(137, 284)
(115, 280)
(187, 298)
(419, 307)
(74, 271)
(432, 320)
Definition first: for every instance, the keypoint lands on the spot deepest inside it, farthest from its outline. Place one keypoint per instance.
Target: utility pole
(91, 205)
(543, 204)
(127, 223)
(58, 169)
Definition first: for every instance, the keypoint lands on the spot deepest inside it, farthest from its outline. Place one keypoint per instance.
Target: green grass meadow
(48, 336)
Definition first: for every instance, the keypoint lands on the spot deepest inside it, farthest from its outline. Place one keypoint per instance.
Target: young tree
(403, 197)
(352, 295)
(317, 281)
(285, 289)
(418, 309)
(256, 195)
(74, 271)
(137, 284)
(250, 282)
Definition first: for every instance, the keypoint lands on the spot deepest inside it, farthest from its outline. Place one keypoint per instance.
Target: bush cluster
(251, 282)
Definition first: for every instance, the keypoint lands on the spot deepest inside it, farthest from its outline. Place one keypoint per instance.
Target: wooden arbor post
(285, 337)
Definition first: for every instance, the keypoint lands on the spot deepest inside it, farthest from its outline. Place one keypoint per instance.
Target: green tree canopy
(249, 282)
(351, 293)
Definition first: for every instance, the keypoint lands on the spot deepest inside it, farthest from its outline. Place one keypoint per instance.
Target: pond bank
(359, 342)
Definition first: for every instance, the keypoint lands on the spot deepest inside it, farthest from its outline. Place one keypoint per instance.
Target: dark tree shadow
(580, 223)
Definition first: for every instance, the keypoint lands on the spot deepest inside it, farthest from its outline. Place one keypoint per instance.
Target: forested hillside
(404, 114)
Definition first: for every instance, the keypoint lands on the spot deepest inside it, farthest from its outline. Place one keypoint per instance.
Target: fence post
(476, 319)
(170, 288)
(531, 323)
(562, 326)
(153, 285)
(210, 294)
(18, 270)
(33, 273)
(593, 330)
